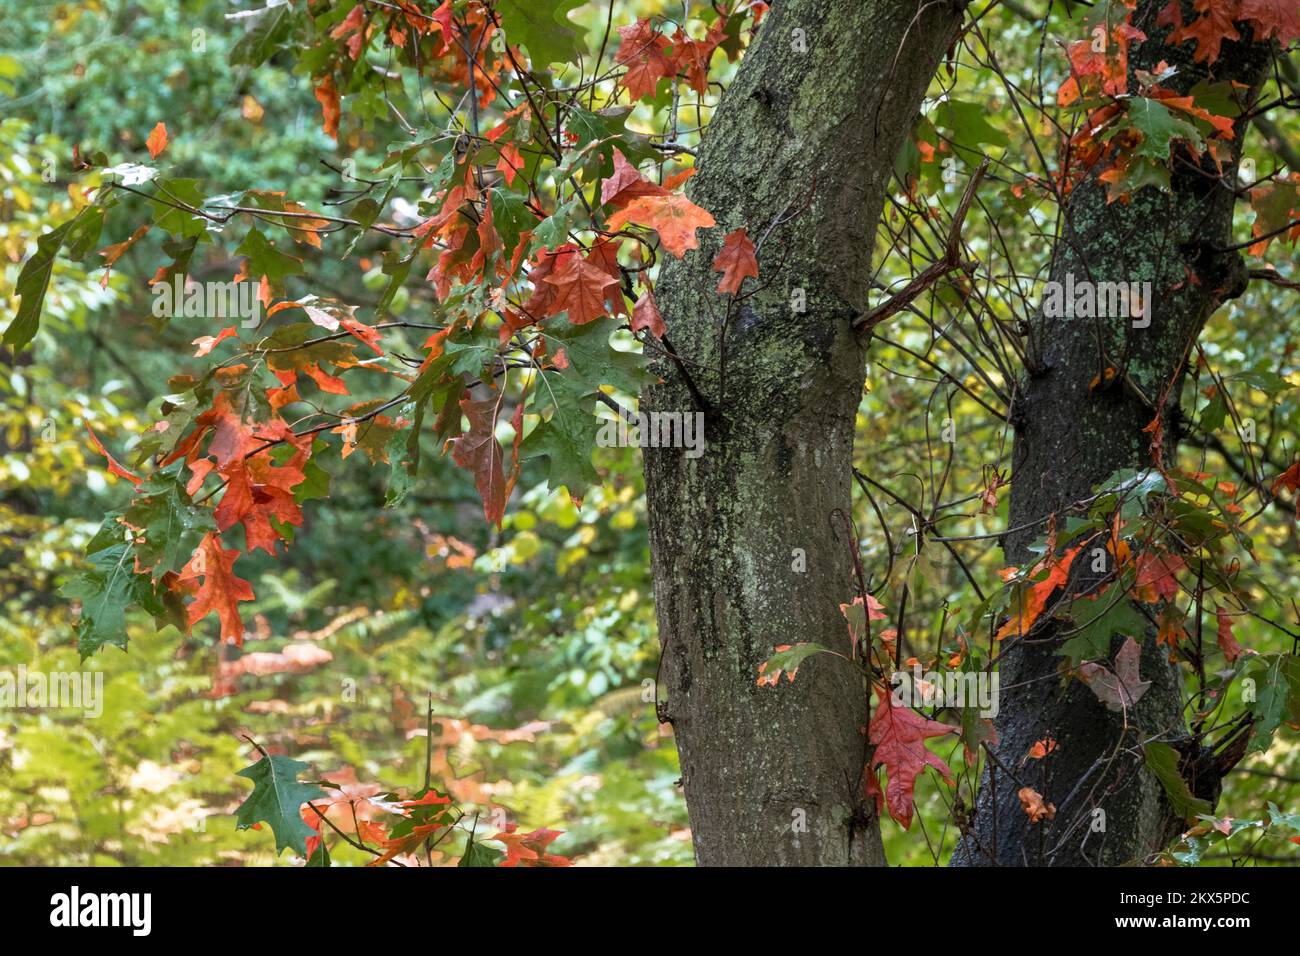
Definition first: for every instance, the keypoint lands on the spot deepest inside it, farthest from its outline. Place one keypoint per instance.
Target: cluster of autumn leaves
(1128, 137)
(260, 462)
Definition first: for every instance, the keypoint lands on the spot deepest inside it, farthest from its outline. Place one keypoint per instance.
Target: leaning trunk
(751, 545)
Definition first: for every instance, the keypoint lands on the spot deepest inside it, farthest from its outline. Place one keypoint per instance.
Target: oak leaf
(899, 736)
(674, 217)
(735, 261)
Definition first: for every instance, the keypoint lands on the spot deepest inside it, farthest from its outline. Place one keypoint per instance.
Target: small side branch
(951, 260)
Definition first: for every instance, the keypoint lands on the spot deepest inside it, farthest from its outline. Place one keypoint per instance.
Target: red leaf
(645, 315)
(1279, 18)
(479, 451)
(735, 261)
(114, 468)
(582, 288)
(899, 735)
(510, 163)
(626, 184)
(642, 52)
(1210, 29)
(1227, 642)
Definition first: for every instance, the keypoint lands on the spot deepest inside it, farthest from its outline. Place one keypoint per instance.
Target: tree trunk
(1070, 437)
(800, 154)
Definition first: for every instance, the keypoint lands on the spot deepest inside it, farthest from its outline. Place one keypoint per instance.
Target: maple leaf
(735, 261)
(510, 163)
(1157, 576)
(479, 451)
(114, 252)
(529, 849)
(1031, 801)
(642, 52)
(220, 589)
(1119, 688)
(206, 343)
(786, 661)
(899, 736)
(157, 140)
(582, 288)
(858, 614)
(674, 217)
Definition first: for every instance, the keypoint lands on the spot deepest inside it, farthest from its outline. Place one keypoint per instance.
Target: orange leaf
(1227, 642)
(220, 589)
(113, 467)
(328, 96)
(674, 217)
(157, 140)
(1031, 801)
(529, 849)
(735, 261)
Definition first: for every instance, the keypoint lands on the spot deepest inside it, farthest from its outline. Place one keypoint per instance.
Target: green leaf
(1278, 817)
(788, 660)
(173, 525)
(266, 260)
(970, 128)
(543, 27)
(33, 283)
(478, 855)
(592, 359)
(177, 221)
(262, 40)
(1162, 760)
(1160, 129)
(1098, 623)
(106, 589)
(566, 439)
(277, 799)
(403, 452)
(1275, 701)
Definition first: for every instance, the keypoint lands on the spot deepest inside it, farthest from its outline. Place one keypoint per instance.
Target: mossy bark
(1072, 436)
(807, 133)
